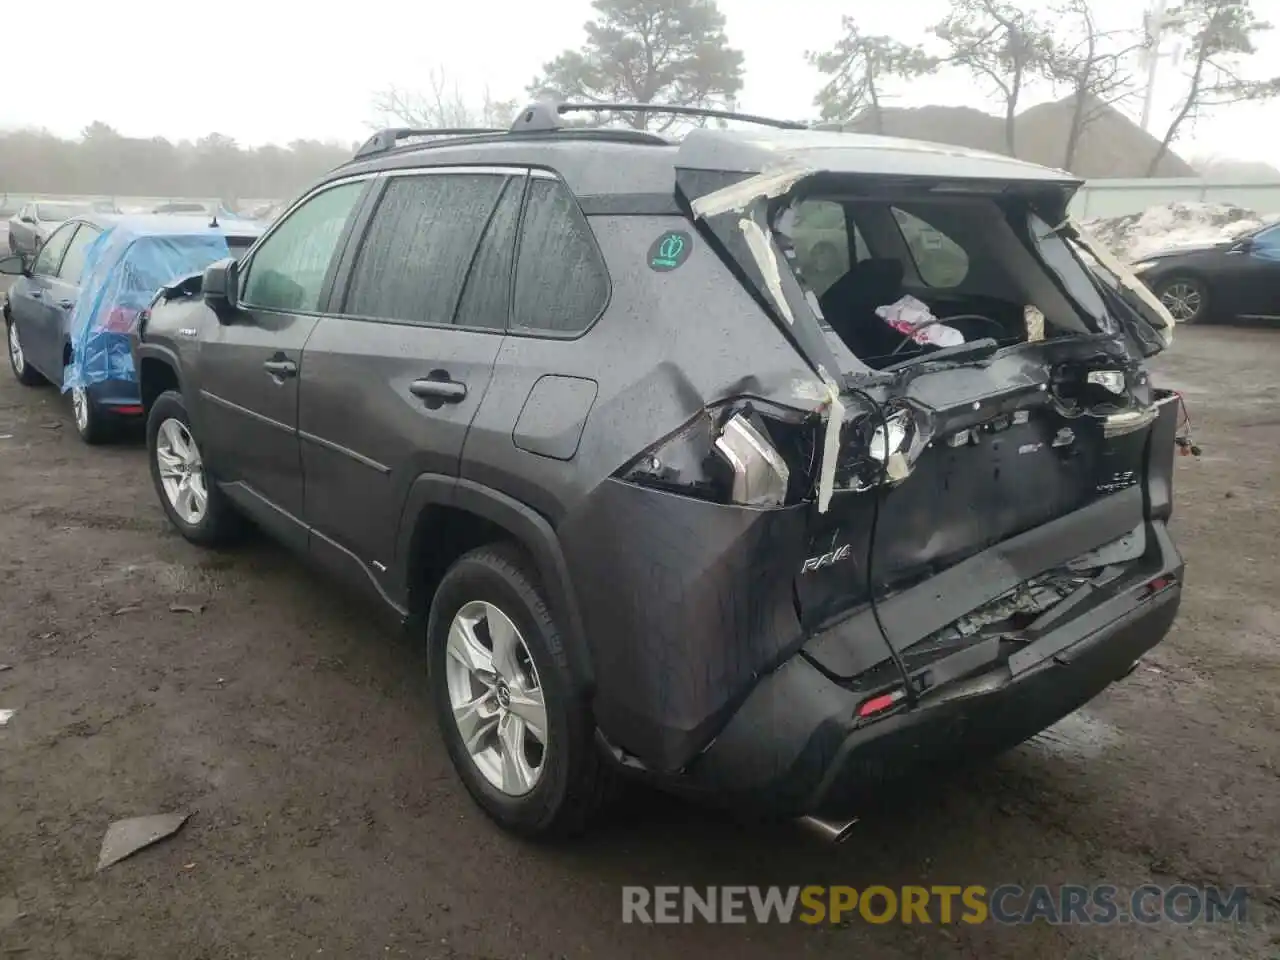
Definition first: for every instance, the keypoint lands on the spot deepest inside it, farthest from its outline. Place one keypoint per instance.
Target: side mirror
(221, 286)
(15, 266)
(1243, 245)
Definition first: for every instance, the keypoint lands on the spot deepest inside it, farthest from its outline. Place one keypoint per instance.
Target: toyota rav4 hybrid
(567, 401)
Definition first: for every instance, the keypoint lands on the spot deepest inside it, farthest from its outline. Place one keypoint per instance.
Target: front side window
(77, 252)
(288, 271)
(939, 260)
(562, 284)
(1267, 243)
(50, 255)
(420, 244)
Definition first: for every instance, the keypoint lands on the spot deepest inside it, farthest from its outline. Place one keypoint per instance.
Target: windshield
(61, 211)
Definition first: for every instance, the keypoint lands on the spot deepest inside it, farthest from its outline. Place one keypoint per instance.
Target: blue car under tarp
(123, 270)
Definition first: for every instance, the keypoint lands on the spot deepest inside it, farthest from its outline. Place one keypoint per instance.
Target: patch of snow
(1182, 223)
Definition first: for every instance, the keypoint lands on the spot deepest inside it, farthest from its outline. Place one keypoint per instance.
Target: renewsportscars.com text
(938, 904)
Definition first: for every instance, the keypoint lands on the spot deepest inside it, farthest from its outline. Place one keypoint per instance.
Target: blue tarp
(123, 270)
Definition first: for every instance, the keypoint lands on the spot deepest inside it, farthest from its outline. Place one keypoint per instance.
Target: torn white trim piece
(1126, 277)
(762, 250)
(6, 716)
(768, 183)
(126, 837)
(830, 442)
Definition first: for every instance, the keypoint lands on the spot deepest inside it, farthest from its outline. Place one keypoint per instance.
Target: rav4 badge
(826, 559)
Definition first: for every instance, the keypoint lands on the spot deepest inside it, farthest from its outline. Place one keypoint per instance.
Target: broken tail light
(732, 453)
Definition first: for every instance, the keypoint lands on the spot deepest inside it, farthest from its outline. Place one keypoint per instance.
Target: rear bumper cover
(796, 746)
(119, 398)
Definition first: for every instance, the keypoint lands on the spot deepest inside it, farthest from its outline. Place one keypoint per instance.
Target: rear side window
(940, 261)
(820, 236)
(419, 246)
(562, 285)
(486, 300)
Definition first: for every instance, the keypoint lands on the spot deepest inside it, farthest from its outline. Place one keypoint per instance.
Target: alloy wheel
(496, 698)
(16, 356)
(80, 407)
(181, 471)
(1183, 300)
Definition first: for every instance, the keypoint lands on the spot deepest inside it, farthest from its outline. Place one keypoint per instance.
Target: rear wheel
(23, 370)
(92, 424)
(1186, 299)
(519, 735)
(194, 504)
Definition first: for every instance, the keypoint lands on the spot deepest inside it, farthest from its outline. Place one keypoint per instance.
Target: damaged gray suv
(767, 465)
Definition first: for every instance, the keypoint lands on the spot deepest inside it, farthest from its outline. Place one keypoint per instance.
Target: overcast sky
(278, 70)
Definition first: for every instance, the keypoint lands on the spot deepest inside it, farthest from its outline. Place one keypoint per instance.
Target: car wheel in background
(23, 370)
(92, 424)
(1186, 298)
(194, 504)
(519, 736)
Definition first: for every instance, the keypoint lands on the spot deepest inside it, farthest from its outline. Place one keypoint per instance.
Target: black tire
(26, 374)
(574, 779)
(1193, 286)
(95, 427)
(219, 523)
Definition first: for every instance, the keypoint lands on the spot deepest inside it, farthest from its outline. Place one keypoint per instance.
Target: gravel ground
(326, 819)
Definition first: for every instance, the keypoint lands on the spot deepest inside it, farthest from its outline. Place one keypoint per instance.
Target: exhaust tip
(832, 831)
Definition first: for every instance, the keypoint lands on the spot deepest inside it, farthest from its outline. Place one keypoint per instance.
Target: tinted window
(61, 211)
(288, 270)
(73, 263)
(50, 256)
(561, 282)
(1267, 244)
(940, 261)
(487, 297)
(415, 256)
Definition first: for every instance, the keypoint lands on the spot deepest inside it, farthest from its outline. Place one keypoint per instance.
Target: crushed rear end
(948, 548)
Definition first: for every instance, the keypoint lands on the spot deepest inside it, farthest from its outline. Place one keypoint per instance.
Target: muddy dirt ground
(326, 819)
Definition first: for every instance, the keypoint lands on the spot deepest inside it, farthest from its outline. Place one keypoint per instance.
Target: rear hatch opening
(973, 379)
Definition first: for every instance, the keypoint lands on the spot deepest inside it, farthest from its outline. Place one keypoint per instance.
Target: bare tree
(1093, 64)
(859, 67)
(442, 104)
(1221, 34)
(999, 43)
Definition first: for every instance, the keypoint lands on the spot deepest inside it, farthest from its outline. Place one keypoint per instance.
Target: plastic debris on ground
(6, 716)
(913, 318)
(126, 837)
(123, 269)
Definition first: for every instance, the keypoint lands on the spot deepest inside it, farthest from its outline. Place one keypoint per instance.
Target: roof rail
(545, 115)
(384, 140)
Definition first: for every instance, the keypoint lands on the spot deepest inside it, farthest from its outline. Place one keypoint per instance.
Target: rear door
(391, 383)
(250, 361)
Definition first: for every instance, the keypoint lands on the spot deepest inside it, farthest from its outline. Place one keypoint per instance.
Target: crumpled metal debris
(126, 837)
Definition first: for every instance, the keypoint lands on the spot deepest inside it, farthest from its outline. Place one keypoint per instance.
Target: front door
(35, 307)
(389, 389)
(250, 359)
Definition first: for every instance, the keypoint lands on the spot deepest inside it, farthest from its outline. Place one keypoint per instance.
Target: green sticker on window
(670, 250)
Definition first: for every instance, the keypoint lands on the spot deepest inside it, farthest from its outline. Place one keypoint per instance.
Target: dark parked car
(32, 225)
(1236, 279)
(69, 314)
(563, 400)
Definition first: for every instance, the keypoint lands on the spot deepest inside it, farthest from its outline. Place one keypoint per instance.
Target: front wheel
(1186, 299)
(519, 735)
(194, 504)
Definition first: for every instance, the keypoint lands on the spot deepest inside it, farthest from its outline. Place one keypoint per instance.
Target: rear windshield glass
(898, 278)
